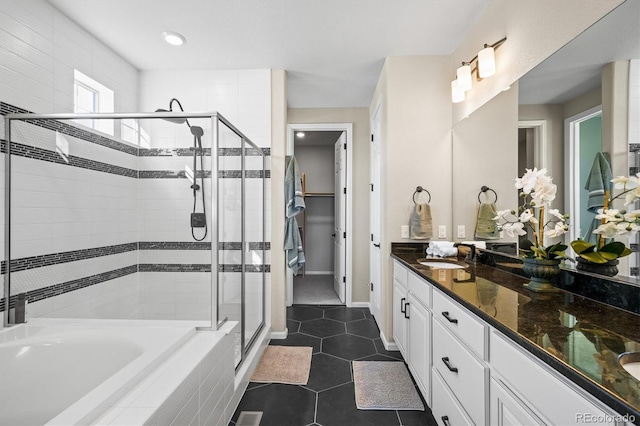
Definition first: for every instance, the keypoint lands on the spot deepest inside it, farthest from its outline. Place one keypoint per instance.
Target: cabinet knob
(376, 245)
(446, 362)
(446, 315)
(445, 420)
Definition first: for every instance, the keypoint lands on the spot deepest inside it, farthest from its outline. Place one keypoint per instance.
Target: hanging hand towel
(486, 227)
(293, 188)
(598, 182)
(420, 225)
(293, 245)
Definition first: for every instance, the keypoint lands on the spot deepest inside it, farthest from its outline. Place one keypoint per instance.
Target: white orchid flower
(556, 213)
(607, 230)
(528, 181)
(527, 216)
(632, 196)
(558, 230)
(609, 215)
(501, 214)
(513, 229)
(620, 182)
(632, 216)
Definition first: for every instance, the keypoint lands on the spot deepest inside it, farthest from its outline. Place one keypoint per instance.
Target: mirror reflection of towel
(486, 227)
(420, 225)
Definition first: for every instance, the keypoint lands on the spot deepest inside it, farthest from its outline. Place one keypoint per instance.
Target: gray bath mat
(384, 385)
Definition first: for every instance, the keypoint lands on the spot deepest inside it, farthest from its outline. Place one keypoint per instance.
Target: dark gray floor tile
(328, 371)
(344, 314)
(348, 346)
(337, 407)
(298, 339)
(304, 313)
(378, 357)
(293, 326)
(322, 327)
(383, 351)
(281, 405)
(364, 328)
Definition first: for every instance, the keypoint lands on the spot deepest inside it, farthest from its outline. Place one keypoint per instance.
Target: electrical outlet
(461, 231)
(442, 231)
(405, 231)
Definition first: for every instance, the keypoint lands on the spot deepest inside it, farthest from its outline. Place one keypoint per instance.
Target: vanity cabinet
(541, 391)
(412, 324)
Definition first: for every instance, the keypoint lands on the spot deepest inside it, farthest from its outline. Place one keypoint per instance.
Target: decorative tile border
(249, 152)
(36, 153)
(67, 129)
(249, 174)
(58, 289)
(174, 267)
(33, 262)
(171, 174)
(171, 152)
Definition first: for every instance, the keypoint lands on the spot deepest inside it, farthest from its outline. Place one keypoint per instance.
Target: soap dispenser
(20, 310)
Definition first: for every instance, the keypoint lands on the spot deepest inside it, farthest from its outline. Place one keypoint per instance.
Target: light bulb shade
(464, 77)
(486, 62)
(457, 94)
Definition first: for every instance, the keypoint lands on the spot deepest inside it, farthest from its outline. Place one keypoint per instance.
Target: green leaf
(581, 246)
(615, 247)
(593, 257)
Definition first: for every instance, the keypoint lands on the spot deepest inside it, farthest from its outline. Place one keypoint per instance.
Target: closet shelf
(319, 194)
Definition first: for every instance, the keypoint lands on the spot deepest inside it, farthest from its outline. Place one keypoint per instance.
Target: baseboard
(388, 345)
(318, 272)
(279, 335)
(360, 305)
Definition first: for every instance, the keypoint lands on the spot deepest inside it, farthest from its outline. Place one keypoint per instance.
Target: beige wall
(359, 117)
(553, 116)
(416, 150)
(534, 30)
(491, 135)
(276, 292)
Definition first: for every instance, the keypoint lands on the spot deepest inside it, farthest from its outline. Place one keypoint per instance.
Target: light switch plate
(442, 231)
(405, 231)
(461, 231)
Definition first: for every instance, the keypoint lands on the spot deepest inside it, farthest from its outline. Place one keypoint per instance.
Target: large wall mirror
(575, 103)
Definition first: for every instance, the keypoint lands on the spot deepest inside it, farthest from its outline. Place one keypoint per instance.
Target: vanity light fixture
(173, 38)
(457, 94)
(300, 135)
(485, 66)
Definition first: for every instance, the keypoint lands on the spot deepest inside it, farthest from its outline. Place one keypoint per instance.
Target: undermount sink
(630, 361)
(442, 264)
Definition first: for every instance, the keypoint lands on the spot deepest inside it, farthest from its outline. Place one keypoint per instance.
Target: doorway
(322, 153)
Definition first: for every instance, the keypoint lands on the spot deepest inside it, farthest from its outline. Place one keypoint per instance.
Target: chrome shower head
(172, 120)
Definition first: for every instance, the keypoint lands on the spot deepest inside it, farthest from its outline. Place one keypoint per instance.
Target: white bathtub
(64, 372)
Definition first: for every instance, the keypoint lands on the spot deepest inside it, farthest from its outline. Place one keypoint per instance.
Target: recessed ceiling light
(300, 134)
(173, 38)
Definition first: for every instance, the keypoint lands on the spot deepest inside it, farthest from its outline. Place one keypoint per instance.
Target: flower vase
(608, 269)
(541, 271)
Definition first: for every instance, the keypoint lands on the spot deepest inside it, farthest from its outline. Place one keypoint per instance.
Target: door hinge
(344, 146)
(371, 286)
(344, 234)
(344, 279)
(344, 190)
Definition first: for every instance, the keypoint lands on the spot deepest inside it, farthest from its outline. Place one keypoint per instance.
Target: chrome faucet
(471, 257)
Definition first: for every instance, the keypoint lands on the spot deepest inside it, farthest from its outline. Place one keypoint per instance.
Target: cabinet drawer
(464, 373)
(464, 324)
(445, 408)
(400, 273)
(550, 397)
(420, 288)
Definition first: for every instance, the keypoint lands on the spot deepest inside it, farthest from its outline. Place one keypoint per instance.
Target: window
(131, 131)
(92, 97)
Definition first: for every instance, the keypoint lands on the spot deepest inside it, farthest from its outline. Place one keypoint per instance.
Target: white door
(374, 209)
(340, 252)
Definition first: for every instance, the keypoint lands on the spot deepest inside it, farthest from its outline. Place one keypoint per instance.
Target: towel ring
(420, 189)
(484, 189)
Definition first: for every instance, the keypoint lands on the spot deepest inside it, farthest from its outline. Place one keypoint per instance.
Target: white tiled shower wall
(66, 208)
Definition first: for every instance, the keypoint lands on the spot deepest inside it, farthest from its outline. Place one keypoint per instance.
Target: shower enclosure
(105, 225)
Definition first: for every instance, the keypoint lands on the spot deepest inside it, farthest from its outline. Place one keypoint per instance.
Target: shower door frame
(215, 321)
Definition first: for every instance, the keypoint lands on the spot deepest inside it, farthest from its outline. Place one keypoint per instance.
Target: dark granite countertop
(579, 337)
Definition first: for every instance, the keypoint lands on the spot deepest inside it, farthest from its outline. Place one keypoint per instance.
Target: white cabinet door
(506, 410)
(420, 345)
(399, 317)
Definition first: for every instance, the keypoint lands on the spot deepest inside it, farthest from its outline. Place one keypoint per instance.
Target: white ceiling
(575, 68)
(332, 50)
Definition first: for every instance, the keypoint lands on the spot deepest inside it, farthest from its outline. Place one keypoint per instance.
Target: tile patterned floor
(338, 336)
